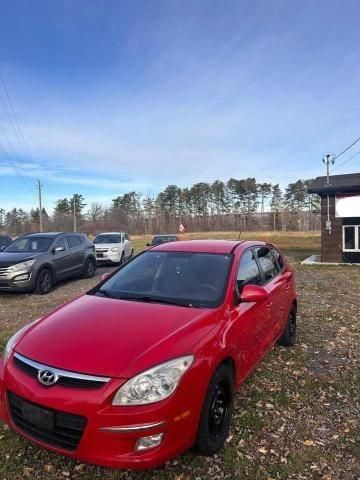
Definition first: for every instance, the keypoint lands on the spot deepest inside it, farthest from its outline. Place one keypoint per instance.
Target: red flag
(181, 228)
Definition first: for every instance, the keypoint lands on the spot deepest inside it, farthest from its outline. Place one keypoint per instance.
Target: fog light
(152, 441)
(21, 278)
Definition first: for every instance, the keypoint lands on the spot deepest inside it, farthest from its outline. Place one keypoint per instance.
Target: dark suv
(5, 240)
(35, 262)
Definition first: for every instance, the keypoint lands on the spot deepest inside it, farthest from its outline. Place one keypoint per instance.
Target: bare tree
(96, 211)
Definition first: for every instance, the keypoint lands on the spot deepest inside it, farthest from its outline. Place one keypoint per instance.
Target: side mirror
(253, 293)
(104, 276)
(58, 249)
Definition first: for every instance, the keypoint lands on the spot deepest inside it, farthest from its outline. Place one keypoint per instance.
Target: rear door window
(278, 258)
(73, 241)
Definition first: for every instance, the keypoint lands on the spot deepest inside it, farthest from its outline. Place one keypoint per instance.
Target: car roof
(207, 246)
(165, 235)
(44, 234)
(110, 233)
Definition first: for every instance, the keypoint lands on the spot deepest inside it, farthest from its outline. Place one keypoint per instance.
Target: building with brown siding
(340, 217)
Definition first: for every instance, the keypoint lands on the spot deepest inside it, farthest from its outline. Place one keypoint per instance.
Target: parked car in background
(161, 345)
(5, 240)
(113, 247)
(35, 262)
(159, 239)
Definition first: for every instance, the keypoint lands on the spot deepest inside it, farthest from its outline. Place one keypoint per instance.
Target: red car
(145, 365)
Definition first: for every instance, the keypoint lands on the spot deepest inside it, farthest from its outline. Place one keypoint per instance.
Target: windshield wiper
(149, 299)
(106, 293)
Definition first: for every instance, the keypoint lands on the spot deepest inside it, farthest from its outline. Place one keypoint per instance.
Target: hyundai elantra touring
(144, 366)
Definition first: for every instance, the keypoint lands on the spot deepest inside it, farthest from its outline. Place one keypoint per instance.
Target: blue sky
(126, 95)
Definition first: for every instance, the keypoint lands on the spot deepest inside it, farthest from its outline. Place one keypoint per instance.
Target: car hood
(107, 245)
(115, 338)
(7, 258)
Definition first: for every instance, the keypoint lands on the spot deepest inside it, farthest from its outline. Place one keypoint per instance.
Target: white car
(113, 247)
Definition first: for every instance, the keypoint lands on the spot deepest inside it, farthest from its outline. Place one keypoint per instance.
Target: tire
(44, 282)
(216, 413)
(288, 338)
(89, 268)
(122, 258)
(132, 253)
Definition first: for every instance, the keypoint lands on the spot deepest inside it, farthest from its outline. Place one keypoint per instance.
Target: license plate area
(99, 255)
(38, 416)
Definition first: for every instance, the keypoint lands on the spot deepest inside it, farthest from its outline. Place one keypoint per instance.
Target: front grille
(4, 271)
(63, 430)
(66, 379)
(101, 250)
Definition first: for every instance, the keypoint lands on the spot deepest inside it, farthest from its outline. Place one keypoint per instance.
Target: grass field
(295, 418)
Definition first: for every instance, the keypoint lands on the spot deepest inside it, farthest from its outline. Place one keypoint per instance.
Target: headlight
(13, 340)
(115, 249)
(153, 385)
(22, 265)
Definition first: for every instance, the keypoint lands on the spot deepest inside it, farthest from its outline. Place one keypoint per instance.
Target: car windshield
(30, 244)
(163, 239)
(108, 238)
(180, 278)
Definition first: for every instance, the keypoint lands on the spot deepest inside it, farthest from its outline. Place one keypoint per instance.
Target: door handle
(269, 304)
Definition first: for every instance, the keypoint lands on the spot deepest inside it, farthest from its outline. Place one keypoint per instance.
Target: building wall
(331, 245)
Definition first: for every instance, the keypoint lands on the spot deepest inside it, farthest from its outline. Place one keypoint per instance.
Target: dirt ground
(295, 418)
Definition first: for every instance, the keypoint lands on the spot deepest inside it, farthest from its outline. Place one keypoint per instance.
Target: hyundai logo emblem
(47, 377)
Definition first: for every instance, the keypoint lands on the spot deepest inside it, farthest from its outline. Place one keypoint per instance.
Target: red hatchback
(145, 365)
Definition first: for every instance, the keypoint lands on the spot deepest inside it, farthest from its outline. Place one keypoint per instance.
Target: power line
(15, 167)
(347, 148)
(346, 161)
(18, 132)
(26, 172)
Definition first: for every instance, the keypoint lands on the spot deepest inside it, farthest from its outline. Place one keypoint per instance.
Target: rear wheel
(217, 411)
(288, 338)
(44, 282)
(89, 268)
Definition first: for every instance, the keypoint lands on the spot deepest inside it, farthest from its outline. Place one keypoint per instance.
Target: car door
(77, 253)
(249, 321)
(61, 258)
(274, 285)
(127, 245)
(286, 278)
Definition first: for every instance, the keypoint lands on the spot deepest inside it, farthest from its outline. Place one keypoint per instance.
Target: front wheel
(288, 338)
(89, 268)
(217, 411)
(44, 282)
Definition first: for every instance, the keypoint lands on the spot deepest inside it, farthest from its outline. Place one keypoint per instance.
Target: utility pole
(328, 160)
(40, 205)
(74, 213)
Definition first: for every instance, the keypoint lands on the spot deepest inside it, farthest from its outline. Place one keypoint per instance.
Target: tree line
(238, 204)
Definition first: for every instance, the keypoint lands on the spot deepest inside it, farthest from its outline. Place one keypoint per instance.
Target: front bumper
(113, 257)
(22, 280)
(111, 433)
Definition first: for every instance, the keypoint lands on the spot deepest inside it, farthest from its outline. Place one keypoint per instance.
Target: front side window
(30, 245)
(248, 272)
(351, 238)
(61, 243)
(267, 262)
(181, 278)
